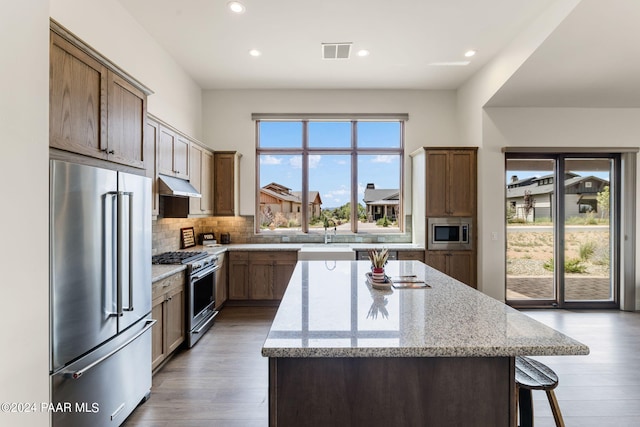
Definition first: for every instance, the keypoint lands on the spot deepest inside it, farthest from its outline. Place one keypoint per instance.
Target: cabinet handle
(106, 150)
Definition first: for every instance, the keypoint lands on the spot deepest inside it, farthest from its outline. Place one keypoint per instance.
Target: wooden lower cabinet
(238, 275)
(168, 308)
(411, 255)
(221, 281)
(260, 275)
(458, 264)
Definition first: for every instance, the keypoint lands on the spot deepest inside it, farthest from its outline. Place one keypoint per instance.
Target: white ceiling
(592, 59)
(403, 36)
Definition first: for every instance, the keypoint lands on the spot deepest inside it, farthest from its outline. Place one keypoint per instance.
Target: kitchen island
(343, 353)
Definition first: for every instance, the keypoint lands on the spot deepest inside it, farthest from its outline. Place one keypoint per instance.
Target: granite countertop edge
(542, 350)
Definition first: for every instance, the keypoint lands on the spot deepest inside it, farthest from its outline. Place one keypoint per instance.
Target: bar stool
(533, 375)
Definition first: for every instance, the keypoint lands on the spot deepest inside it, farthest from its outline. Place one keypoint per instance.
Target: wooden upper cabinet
(226, 173)
(127, 106)
(201, 177)
(77, 100)
(173, 153)
(94, 110)
(451, 183)
(181, 157)
(151, 137)
(206, 183)
(166, 142)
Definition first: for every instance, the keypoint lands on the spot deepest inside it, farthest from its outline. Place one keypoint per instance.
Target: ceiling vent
(336, 50)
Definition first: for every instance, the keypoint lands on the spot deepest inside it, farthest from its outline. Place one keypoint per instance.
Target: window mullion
(354, 176)
(305, 176)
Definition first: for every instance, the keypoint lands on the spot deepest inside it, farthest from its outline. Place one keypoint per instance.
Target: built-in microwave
(450, 233)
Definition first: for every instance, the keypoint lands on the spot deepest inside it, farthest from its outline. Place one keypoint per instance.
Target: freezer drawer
(104, 387)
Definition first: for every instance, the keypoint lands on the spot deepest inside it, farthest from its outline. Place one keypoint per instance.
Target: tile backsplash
(166, 232)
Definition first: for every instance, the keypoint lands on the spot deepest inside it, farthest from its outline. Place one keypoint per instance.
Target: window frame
(353, 151)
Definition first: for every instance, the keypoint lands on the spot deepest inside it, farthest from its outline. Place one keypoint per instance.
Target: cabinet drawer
(274, 256)
(169, 284)
(238, 256)
(411, 255)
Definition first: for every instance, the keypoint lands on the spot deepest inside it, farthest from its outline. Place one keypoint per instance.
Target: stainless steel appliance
(100, 293)
(201, 289)
(450, 233)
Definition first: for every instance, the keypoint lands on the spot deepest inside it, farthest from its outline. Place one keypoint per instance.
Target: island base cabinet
(448, 391)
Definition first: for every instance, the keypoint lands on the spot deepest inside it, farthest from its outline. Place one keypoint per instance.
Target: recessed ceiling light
(255, 52)
(363, 52)
(236, 7)
(469, 53)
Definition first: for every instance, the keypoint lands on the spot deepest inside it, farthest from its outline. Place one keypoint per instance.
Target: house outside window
(343, 172)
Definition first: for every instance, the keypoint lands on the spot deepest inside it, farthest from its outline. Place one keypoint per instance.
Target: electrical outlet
(494, 235)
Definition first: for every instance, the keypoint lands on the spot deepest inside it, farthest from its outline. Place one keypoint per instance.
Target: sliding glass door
(561, 233)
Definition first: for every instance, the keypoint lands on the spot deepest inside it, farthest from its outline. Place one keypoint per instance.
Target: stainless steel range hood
(170, 186)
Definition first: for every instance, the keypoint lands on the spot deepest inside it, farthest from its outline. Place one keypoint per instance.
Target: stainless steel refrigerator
(100, 293)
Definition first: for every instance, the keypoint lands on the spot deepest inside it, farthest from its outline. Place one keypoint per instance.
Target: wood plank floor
(222, 381)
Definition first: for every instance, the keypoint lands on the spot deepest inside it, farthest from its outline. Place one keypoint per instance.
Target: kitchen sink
(328, 252)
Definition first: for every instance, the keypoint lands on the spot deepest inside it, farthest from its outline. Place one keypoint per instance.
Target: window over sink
(346, 169)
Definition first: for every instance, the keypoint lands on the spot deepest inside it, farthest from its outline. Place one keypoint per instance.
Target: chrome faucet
(327, 236)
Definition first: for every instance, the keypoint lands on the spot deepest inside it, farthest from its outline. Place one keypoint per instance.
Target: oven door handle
(205, 273)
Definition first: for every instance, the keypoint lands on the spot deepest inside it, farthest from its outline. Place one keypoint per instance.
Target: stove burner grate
(184, 257)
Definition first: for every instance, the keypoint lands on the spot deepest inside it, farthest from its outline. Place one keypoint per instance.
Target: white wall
(24, 125)
(108, 28)
(472, 97)
(541, 127)
(227, 123)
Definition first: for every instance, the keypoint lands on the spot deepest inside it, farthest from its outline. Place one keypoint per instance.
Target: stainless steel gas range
(201, 289)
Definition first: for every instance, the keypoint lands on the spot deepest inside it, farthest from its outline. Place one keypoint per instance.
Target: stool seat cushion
(534, 375)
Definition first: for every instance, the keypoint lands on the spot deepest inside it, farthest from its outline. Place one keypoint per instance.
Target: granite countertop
(162, 271)
(329, 310)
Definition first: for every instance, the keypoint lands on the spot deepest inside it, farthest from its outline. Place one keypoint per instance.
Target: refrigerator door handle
(121, 195)
(120, 253)
(77, 374)
(131, 267)
(115, 221)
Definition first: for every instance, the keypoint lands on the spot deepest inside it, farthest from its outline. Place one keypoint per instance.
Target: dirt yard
(528, 249)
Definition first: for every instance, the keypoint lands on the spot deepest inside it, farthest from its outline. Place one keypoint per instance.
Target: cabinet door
(77, 100)
(260, 279)
(206, 183)
(221, 283)
(224, 191)
(437, 184)
(462, 183)
(165, 151)
(127, 109)
(195, 172)
(158, 344)
(437, 260)
(411, 255)
(175, 321)
(458, 264)
(151, 136)
(461, 266)
(181, 157)
(282, 274)
(238, 276)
